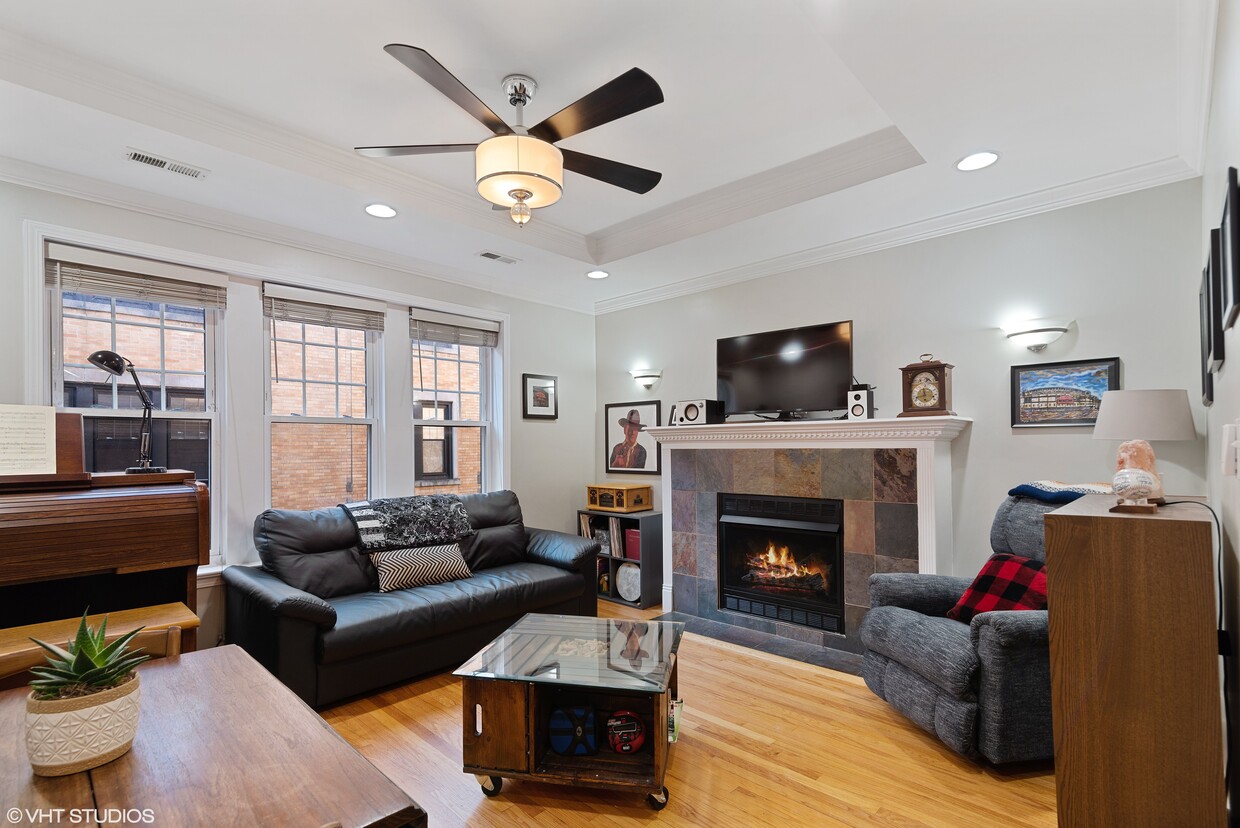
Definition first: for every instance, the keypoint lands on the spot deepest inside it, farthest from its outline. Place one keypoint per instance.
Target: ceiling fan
(518, 169)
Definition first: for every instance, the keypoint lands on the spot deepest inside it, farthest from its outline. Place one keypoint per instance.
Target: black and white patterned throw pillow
(401, 568)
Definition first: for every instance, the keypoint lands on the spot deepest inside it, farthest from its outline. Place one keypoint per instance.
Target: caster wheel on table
(658, 801)
(491, 785)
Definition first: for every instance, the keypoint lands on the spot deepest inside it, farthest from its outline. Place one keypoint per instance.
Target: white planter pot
(70, 735)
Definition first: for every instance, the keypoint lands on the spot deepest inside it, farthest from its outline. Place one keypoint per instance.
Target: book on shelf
(633, 544)
(616, 534)
(584, 520)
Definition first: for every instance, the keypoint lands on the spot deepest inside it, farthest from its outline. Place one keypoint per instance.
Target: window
(320, 396)
(167, 329)
(432, 445)
(452, 359)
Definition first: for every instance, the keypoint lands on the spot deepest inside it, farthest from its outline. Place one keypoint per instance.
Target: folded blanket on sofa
(403, 522)
(1052, 491)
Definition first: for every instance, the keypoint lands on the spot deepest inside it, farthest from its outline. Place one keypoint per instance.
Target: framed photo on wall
(1214, 272)
(627, 448)
(1061, 393)
(540, 397)
(1203, 307)
(1229, 250)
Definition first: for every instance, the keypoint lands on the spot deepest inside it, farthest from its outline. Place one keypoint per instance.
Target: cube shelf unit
(616, 526)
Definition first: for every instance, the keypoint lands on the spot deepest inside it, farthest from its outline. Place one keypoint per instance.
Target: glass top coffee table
(612, 683)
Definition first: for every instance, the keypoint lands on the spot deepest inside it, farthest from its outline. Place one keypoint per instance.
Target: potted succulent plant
(83, 706)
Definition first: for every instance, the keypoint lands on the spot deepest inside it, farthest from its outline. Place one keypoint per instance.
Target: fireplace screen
(787, 568)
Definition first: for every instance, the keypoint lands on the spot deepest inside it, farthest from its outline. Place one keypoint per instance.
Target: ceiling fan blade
(413, 149)
(626, 176)
(430, 70)
(631, 92)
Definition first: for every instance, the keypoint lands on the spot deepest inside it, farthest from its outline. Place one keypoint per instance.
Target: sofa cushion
(499, 531)
(314, 551)
(403, 568)
(938, 649)
(1006, 582)
(373, 621)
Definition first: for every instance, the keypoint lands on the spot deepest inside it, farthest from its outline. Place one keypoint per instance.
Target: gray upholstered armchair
(983, 688)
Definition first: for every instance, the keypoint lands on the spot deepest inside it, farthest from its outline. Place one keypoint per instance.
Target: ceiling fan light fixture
(506, 164)
(520, 211)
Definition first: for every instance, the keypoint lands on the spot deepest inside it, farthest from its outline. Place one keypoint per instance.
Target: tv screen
(799, 369)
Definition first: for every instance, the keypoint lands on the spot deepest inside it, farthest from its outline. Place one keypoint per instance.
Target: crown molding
(1144, 176)
(37, 177)
(872, 433)
(54, 72)
(1198, 24)
(846, 165)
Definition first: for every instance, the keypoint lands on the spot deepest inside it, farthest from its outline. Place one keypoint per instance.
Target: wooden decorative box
(620, 497)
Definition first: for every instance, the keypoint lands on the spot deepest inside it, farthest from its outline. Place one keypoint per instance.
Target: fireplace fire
(782, 558)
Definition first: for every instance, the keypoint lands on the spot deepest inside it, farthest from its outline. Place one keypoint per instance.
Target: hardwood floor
(764, 741)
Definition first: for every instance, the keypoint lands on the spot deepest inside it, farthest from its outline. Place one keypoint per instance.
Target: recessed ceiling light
(380, 211)
(597, 274)
(977, 161)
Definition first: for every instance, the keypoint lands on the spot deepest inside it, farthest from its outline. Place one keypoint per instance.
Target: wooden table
(544, 662)
(220, 742)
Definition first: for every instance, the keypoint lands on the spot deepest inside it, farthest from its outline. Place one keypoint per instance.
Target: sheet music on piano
(27, 439)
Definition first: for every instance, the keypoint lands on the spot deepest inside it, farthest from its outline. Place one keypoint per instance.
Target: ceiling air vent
(188, 170)
(496, 257)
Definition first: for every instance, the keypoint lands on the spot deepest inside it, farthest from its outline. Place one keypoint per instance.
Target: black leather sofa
(313, 614)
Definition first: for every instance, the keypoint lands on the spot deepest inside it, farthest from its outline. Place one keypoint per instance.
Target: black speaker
(861, 404)
(698, 412)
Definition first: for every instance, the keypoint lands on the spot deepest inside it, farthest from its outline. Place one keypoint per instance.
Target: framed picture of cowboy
(627, 448)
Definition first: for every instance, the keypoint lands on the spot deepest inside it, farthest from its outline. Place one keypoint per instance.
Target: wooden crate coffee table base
(510, 689)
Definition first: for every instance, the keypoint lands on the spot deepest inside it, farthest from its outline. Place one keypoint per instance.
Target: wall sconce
(646, 377)
(1036, 334)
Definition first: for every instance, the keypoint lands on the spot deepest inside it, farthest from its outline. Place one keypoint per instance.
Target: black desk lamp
(116, 365)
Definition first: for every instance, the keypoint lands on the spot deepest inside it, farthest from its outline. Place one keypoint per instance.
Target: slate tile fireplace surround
(888, 482)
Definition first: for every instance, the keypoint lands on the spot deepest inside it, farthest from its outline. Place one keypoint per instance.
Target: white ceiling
(793, 132)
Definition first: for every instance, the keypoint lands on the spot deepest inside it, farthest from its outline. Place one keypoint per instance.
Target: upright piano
(106, 542)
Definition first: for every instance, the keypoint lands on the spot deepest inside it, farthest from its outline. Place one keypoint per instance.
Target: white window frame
(374, 379)
(213, 353)
(488, 356)
(234, 500)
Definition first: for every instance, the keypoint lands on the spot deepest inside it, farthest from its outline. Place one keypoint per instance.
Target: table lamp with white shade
(1138, 417)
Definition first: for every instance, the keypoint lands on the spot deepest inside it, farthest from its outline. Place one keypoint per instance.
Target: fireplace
(781, 558)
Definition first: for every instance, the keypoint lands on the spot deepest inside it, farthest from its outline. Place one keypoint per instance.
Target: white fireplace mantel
(931, 437)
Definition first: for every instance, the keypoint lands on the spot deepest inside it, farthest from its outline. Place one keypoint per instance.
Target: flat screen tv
(786, 372)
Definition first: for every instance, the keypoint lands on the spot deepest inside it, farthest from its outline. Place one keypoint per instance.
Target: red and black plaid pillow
(1006, 582)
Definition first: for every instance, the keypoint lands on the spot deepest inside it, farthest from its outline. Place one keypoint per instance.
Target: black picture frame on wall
(628, 449)
(1203, 305)
(1214, 277)
(540, 397)
(1229, 251)
(1061, 393)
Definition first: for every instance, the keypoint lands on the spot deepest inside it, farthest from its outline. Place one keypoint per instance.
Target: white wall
(1222, 150)
(1123, 268)
(550, 462)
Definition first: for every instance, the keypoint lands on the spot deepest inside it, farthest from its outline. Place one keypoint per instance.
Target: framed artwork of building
(1061, 393)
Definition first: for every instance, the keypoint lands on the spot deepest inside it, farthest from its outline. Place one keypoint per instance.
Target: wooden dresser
(1134, 666)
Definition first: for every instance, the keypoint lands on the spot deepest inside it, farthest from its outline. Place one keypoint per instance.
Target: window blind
(290, 304)
(79, 270)
(450, 329)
